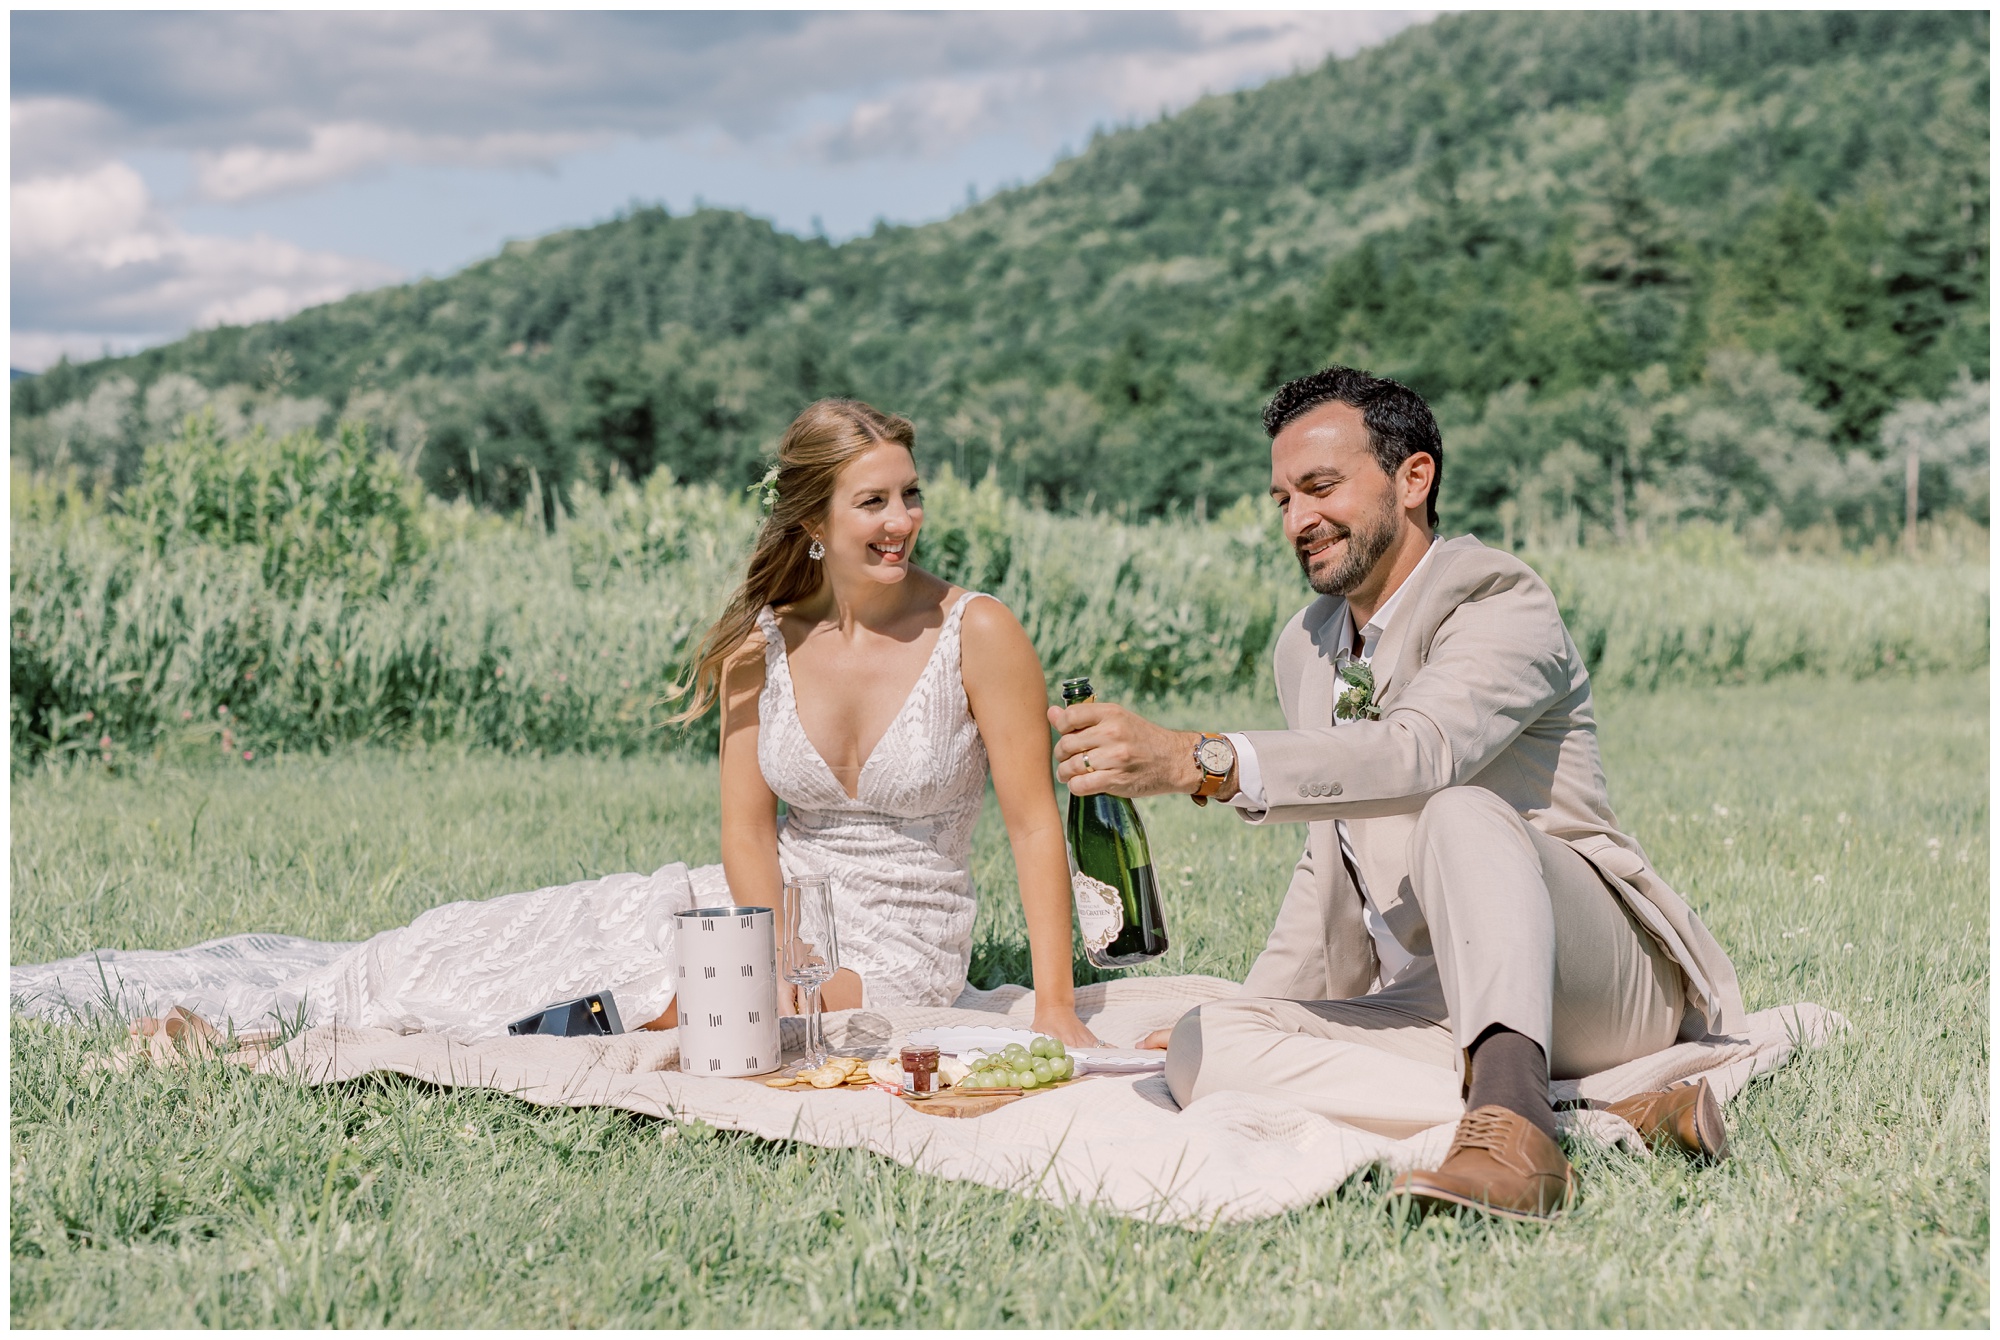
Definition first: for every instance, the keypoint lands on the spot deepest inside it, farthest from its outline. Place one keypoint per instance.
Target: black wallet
(587, 1016)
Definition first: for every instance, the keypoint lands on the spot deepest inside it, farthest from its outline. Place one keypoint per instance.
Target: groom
(1467, 918)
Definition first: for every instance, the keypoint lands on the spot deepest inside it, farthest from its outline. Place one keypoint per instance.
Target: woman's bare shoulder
(997, 648)
(987, 617)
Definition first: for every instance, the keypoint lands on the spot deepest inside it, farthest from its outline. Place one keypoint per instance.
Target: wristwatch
(1216, 758)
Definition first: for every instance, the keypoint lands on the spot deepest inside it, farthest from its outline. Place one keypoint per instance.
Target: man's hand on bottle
(1107, 750)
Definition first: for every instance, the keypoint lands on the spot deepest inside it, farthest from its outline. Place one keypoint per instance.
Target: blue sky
(173, 170)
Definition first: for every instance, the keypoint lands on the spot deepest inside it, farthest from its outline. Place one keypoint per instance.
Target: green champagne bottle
(1117, 897)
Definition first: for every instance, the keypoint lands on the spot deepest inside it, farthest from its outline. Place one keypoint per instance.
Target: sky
(172, 171)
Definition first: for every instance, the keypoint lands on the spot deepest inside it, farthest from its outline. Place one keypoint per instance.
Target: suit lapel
(1395, 659)
(1317, 688)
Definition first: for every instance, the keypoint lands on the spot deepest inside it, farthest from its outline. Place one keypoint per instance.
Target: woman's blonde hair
(819, 444)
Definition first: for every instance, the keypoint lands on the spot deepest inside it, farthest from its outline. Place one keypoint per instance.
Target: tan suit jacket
(1478, 683)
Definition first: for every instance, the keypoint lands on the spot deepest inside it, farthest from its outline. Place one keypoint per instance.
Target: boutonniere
(768, 486)
(1356, 699)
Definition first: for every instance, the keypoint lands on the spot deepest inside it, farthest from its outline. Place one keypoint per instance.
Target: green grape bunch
(1041, 1063)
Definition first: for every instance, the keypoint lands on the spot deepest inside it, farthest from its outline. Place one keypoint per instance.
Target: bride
(870, 697)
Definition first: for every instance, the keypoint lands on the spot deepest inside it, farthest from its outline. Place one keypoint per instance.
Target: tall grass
(211, 615)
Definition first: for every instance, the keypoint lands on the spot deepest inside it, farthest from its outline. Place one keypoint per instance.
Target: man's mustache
(1305, 542)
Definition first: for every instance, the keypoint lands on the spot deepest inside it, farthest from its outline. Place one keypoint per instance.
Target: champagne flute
(808, 950)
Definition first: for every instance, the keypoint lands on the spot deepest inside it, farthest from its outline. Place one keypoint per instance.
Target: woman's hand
(1156, 1040)
(1061, 1023)
(843, 992)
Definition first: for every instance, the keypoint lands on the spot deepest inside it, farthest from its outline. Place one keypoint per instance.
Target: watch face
(1215, 757)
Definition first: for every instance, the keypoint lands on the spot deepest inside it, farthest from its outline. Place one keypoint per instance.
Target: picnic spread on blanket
(1112, 1137)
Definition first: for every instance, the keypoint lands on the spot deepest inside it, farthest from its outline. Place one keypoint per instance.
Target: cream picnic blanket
(1116, 1141)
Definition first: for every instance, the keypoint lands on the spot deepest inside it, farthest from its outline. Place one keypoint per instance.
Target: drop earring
(817, 551)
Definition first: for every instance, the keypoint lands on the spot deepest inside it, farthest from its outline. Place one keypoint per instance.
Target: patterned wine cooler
(727, 985)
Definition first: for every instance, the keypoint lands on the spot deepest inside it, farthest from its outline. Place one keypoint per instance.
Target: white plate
(957, 1041)
(1118, 1060)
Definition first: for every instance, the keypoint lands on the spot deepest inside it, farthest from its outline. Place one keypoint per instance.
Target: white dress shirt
(1249, 797)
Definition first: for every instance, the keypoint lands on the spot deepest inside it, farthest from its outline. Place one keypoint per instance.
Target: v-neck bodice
(898, 850)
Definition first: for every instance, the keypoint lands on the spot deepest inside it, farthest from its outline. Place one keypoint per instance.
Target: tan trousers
(1523, 933)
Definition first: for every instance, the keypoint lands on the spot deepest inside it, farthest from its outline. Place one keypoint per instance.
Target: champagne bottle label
(1100, 914)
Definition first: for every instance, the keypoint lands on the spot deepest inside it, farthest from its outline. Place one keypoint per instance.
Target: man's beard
(1365, 548)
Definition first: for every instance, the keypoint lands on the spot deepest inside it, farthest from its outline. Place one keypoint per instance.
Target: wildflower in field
(1721, 811)
(223, 710)
(186, 715)
(104, 742)
(249, 754)
(90, 716)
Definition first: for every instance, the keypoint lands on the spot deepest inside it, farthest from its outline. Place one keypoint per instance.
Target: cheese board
(973, 1102)
(963, 1040)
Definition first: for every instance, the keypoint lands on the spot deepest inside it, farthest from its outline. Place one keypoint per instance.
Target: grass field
(1833, 834)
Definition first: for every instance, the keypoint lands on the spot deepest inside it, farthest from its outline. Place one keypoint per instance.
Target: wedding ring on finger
(1086, 764)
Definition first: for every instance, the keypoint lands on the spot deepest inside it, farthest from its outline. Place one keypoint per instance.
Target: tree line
(1649, 268)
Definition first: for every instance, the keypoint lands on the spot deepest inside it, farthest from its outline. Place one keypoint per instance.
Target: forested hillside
(1649, 267)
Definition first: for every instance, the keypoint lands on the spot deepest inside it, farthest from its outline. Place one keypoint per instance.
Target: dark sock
(1508, 1070)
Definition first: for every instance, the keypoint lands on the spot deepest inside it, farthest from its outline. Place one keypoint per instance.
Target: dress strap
(957, 610)
(955, 616)
(774, 637)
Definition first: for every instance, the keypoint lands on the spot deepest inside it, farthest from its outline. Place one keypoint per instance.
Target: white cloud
(95, 263)
(337, 151)
(283, 101)
(59, 134)
(92, 214)
(1050, 89)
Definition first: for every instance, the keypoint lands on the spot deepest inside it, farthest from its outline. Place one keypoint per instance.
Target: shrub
(289, 594)
(316, 510)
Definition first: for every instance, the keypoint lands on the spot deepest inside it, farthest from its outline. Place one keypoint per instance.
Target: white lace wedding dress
(896, 854)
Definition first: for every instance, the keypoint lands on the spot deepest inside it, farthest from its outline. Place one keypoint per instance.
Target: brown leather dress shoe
(1499, 1163)
(1685, 1117)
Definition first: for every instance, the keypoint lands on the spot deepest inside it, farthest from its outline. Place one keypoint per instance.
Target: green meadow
(1831, 829)
(315, 624)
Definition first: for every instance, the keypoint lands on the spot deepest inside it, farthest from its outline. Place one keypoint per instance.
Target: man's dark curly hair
(1399, 423)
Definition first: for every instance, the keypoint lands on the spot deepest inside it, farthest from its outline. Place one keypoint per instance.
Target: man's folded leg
(1529, 938)
(1544, 971)
(1361, 1061)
